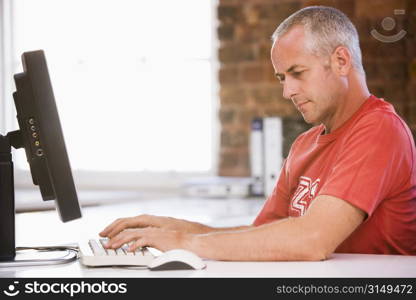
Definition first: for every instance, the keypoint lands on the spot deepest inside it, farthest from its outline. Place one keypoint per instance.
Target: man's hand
(162, 239)
(144, 221)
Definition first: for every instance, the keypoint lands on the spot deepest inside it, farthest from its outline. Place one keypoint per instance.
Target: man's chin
(306, 118)
(310, 121)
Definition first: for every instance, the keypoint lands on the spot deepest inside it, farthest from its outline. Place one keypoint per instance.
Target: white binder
(273, 152)
(217, 187)
(257, 157)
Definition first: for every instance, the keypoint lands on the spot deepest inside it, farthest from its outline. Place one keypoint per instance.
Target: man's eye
(280, 78)
(297, 74)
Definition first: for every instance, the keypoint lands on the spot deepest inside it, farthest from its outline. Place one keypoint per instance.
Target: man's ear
(341, 61)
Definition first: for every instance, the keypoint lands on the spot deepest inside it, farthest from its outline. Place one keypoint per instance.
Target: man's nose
(290, 89)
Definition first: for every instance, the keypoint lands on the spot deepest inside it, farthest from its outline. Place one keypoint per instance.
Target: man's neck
(355, 97)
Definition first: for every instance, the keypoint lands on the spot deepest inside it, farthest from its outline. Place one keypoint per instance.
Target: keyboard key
(139, 251)
(111, 252)
(103, 242)
(120, 251)
(125, 247)
(97, 248)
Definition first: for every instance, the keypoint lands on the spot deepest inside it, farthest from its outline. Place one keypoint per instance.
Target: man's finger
(119, 227)
(139, 243)
(110, 227)
(124, 238)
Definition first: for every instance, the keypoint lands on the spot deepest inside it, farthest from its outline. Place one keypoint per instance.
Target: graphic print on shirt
(304, 194)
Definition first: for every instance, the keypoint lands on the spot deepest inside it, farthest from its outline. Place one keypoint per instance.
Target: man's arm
(169, 223)
(314, 236)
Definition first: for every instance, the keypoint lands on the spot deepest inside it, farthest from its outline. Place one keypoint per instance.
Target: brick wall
(249, 89)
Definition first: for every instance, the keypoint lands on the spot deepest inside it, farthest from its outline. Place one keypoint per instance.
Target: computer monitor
(40, 134)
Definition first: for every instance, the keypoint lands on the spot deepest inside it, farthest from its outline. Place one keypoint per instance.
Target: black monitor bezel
(36, 106)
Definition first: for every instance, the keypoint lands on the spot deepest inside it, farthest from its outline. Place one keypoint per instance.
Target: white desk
(340, 265)
(44, 228)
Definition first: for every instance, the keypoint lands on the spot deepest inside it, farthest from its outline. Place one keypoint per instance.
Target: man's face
(307, 80)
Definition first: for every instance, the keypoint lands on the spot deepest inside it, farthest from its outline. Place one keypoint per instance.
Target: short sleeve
(375, 159)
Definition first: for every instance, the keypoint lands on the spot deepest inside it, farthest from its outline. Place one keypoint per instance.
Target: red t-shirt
(369, 162)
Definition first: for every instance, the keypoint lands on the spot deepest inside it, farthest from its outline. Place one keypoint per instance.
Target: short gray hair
(326, 28)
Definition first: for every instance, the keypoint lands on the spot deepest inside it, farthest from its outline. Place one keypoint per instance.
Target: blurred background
(153, 93)
(248, 87)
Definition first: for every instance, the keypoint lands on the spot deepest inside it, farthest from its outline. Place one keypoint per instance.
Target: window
(133, 80)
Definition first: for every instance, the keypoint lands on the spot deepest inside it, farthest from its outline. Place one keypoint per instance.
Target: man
(347, 185)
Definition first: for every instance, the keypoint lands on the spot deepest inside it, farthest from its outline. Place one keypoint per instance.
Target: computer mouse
(176, 259)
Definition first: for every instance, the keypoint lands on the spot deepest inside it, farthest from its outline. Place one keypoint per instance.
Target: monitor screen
(41, 135)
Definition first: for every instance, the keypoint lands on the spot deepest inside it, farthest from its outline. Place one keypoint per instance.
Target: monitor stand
(7, 213)
(8, 248)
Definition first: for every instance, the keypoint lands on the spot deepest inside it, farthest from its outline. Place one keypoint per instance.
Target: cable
(71, 255)
(48, 248)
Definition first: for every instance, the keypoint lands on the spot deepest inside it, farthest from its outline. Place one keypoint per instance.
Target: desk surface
(340, 265)
(44, 228)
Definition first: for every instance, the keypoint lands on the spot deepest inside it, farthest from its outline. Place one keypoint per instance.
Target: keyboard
(93, 254)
